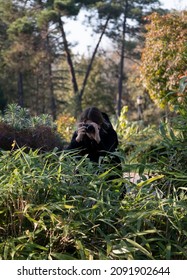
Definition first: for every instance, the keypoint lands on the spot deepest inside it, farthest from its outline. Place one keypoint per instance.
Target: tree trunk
(20, 89)
(92, 58)
(78, 107)
(121, 66)
(79, 95)
(51, 87)
(52, 97)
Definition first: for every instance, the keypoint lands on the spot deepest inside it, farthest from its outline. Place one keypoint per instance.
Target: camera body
(89, 128)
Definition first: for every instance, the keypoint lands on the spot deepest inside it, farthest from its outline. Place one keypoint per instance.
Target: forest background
(48, 77)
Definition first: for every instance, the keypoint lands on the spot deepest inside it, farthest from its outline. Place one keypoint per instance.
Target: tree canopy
(44, 73)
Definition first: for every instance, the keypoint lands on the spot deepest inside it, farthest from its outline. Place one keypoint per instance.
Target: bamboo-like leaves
(56, 206)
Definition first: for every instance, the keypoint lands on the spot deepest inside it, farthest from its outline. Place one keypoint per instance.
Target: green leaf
(139, 247)
(149, 181)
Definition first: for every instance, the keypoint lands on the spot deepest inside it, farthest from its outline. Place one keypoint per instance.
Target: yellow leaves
(66, 126)
(66, 206)
(13, 144)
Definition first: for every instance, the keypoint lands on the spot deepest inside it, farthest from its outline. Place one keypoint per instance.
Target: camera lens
(90, 128)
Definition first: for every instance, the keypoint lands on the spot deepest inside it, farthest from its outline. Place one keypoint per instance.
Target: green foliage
(20, 118)
(136, 142)
(54, 206)
(101, 88)
(21, 25)
(67, 7)
(104, 9)
(179, 97)
(122, 121)
(18, 128)
(134, 137)
(160, 150)
(165, 55)
(46, 16)
(27, 51)
(169, 157)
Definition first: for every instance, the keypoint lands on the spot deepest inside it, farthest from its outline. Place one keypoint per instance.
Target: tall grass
(57, 206)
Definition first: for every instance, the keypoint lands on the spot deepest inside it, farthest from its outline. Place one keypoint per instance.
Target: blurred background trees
(40, 71)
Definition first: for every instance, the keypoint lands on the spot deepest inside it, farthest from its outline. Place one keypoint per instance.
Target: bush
(19, 129)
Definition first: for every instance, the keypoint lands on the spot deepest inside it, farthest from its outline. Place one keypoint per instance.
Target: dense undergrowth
(53, 206)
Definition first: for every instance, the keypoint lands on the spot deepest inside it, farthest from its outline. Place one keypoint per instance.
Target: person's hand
(94, 135)
(81, 131)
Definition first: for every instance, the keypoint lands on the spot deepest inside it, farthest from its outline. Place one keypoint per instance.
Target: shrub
(18, 129)
(134, 137)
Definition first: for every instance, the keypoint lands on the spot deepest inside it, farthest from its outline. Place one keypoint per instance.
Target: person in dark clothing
(95, 135)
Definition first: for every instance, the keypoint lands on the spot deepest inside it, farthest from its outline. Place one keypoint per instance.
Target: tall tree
(100, 87)
(54, 12)
(16, 49)
(29, 54)
(125, 28)
(3, 39)
(72, 8)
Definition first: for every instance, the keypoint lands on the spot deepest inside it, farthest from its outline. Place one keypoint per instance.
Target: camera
(89, 128)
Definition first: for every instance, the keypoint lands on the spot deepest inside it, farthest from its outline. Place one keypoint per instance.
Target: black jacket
(108, 143)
